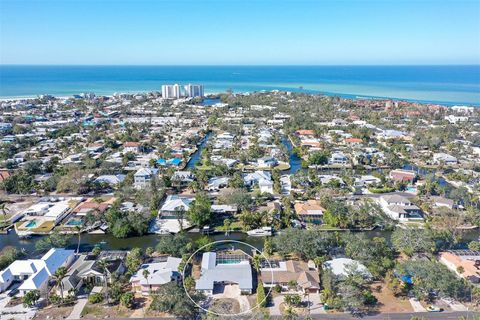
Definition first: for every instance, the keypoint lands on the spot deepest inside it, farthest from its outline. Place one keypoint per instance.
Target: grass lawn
(281, 167)
(234, 226)
(100, 311)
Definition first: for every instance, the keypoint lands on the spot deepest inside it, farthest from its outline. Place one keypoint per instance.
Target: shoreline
(350, 96)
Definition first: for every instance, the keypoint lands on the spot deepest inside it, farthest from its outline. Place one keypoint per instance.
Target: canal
(197, 155)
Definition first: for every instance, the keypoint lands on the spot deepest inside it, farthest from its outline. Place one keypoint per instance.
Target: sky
(239, 32)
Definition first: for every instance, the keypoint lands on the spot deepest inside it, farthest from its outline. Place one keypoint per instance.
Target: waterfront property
(35, 273)
(218, 270)
(154, 274)
(291, 275)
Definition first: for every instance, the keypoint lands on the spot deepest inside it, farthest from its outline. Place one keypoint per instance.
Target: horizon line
(238, 65)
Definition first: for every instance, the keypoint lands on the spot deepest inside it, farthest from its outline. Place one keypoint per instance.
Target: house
(216, 183)
(310, 211)
(110, 179)
(342, 267)
(173, 203)
(338, 158)
(159, 273)
(444, 158)
(465, 263)
(283, 273)
(438, 202)
(327, 178)
(400, 208)
(261, 178)
(400, 175)
(268, 162)
(87, 269)
(224, 209)
(131, 146)
(366, 180)
(219, 269)
(35, 273)
(143, 176)
(182, 178)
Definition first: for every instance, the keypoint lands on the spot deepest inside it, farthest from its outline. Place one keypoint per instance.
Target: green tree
(199, 212)
(127, 299)
(31, 298)
(413, 240)
(261, 298)
(58, 277)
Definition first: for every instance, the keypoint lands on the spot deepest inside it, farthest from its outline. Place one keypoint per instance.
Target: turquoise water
(74, 222)
(440, 84)
(31, 224)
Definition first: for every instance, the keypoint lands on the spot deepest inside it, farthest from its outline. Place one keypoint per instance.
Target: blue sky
(187, 32)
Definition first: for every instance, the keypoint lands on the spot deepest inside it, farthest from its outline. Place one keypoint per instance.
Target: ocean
(448, 85)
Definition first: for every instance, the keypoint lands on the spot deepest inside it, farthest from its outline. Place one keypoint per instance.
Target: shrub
(95, 298)
(127, 299)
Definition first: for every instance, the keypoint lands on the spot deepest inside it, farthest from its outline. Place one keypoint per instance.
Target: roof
(290, 270)
(212, 273)
(309, 207)
(159, 273)
(174, 201)
(341, 267)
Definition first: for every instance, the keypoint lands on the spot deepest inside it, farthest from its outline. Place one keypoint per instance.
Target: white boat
(263, 232)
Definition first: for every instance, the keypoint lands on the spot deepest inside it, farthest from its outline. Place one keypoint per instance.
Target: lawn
(101, 311)
(45, 227)
(387, 302)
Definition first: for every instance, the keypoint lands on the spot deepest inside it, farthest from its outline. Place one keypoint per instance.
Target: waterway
(196, 156)
(108, 242)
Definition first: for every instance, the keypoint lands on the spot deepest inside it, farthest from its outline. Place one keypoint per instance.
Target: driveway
(78, 308)
(455, 305)
(274, 308)
(316, 307)
(416, 305)
(232, 291)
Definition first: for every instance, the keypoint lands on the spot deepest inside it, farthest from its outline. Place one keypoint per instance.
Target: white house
(400, 208)
(143, 176)
(159, 273)
(35, 272)
(338, 158)
(444, 158)
(261, 178)
(268, 162)
(342, 267)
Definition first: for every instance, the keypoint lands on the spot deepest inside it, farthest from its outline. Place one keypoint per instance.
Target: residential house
(400, 175)
(465, 263)
(131, 146)
(283, 273)
(342, 267)
(35, 273)
(400, 208)
(111, 179)
(338, 158)
(143, 176)
(216, 183)
(310, 211)
(159, 273)
(268, 162)
(444, 158)
(261, 178)
(182, 178)
(219, 269)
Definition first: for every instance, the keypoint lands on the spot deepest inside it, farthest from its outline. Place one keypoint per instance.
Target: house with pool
(219, 270)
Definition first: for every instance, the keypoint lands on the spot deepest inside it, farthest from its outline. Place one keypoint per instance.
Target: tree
(134, 260)
(127, 299)
(31, 298)
(171, 298)
(58, 276)
(5, 210)
(103, 265)
(261, 298)
(257, 262)
(413, 240)
(176, 245)
(293, 300)
(199, 212)
(145, 274)
(474, 245)
(306, 243)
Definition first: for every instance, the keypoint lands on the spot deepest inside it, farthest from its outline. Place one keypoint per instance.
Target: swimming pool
(31, 224)
(74, 222)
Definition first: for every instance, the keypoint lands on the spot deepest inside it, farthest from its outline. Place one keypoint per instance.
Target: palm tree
(58, 277)
(4, 209)
(257, 262)
(79, 233)
(103, 264)
(145, 274)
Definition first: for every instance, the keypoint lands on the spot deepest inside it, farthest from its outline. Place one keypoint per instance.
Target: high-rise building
(194, 90)
(171, 91)
(176, 91)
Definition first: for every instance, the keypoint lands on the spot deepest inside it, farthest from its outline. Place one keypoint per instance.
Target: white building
(171, 91)
(35, 272)
(143, 176)
(444, 158)
(159, 273)
(194, 90)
